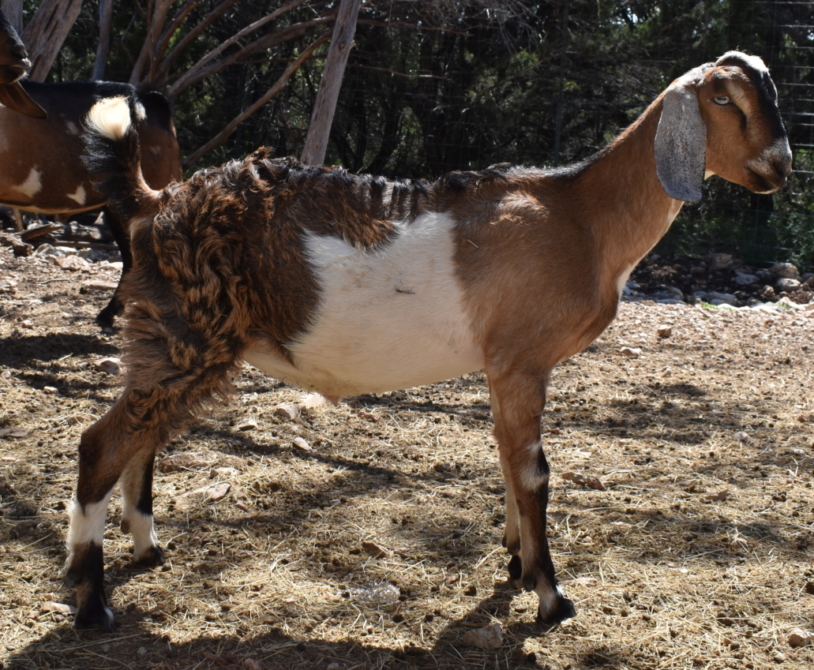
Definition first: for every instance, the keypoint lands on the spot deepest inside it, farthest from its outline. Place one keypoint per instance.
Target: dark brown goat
(352, 284)
(40, 159)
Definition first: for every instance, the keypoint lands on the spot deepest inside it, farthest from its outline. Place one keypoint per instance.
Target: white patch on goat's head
(141, 113)
(32, 184)
(73, 129)
(78, 196)
(389, 317)
(752, 61)
(110, 117)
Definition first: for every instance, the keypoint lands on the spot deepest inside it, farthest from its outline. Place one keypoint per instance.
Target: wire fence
(465, 100)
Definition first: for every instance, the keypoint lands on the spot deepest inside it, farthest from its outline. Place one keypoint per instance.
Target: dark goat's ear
(14, 97)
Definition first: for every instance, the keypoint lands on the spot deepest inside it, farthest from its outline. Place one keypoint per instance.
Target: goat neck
(625, 205)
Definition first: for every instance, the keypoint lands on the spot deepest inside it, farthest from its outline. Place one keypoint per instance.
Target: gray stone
(787, 284)
(785, 271)
(717, 298)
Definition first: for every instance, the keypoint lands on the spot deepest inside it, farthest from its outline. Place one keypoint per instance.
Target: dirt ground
(368, 535)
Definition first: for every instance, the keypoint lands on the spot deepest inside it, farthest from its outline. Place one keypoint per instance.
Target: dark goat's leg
(116, 305)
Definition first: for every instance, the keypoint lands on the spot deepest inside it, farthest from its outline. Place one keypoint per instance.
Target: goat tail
(113, 157)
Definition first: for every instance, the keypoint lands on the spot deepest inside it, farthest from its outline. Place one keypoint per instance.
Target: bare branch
(248, 29)
(155, 23)
(195, 74)
(105, 28)
(221, 137)
(316, 141)
(46, 32)
(175, 25)
(191, 36)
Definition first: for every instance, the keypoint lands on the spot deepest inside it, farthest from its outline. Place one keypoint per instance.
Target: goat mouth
(19, 68)
(765, 184)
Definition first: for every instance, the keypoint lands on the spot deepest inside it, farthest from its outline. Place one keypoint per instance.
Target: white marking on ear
(110, 117)
(32, 184)
(141, 113)
(530, 476)
(681, 140)
(142, 529)
(87, 525)
(78, 196)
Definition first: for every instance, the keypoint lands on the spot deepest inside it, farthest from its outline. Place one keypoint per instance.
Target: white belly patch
(387, 319)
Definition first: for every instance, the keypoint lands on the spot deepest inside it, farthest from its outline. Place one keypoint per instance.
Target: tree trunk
(316, 142)
(105, 28)
(44, 35)
(13, 9)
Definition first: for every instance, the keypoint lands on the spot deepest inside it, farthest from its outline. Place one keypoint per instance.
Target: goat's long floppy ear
(14, 97)
(681, 141)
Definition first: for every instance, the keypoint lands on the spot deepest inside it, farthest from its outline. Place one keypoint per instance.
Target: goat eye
(721, 100)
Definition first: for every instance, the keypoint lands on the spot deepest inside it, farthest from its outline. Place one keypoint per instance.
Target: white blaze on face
(79, 196)
(387, 319)
(32, 184)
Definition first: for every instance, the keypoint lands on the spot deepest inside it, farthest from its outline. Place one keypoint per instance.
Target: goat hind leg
(137, 510)
(103, 455)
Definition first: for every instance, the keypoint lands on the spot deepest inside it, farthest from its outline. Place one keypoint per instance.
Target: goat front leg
(517, 402)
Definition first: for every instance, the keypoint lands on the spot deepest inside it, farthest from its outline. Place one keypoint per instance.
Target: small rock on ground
(488, 637)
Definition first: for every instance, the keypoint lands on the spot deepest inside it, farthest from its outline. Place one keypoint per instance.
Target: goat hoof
(151, 558)
(515, 568)
(564, 609)
(95, 615)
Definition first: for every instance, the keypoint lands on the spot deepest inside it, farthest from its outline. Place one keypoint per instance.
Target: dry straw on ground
(368, 535)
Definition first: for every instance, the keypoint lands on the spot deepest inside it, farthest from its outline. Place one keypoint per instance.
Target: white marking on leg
(79, 196)
(142, 530)
(530, 476)
(32, 184)
(549, 598)
(87, 525)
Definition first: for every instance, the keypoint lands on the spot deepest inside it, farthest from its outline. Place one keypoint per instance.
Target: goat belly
(388, 318)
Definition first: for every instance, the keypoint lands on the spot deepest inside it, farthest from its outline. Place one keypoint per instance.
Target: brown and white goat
(41, 167)
(14, 64)
(349, 284)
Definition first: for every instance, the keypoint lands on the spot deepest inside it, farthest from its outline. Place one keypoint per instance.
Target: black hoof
(564, 609)
(95, 615)
(516, 568)
(105, 318)
(151, 558)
